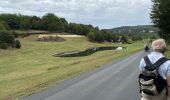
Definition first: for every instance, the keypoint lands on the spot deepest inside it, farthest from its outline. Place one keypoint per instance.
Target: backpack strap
(160, 62)
(149, 66)
(147, 61)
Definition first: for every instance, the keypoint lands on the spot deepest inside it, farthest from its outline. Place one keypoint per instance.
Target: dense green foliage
(12, 20)
(51, 22)
(2, 27)
(7, 39)
(17, 44)
(160, 16)
(79, 28)
(106, 36)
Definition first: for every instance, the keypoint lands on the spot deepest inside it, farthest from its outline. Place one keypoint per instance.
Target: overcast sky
(102, 13)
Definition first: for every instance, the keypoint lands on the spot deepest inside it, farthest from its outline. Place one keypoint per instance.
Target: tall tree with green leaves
(12, 20)
(25, 22)
(2, 27)
(52, 23)
(160, 16)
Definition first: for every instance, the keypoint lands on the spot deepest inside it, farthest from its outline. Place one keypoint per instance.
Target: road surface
(114, 81)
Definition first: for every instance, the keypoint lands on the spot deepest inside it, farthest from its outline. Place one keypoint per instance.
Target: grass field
(33, 68)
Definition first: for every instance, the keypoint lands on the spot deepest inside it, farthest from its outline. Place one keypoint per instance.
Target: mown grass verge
(33, 68)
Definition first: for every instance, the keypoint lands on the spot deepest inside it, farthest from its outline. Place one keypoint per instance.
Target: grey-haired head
(159, 45)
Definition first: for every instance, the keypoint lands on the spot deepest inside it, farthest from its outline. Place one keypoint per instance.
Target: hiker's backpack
(150, 81)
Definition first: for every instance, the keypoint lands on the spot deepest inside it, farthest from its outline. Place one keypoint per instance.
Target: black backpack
(150, 81)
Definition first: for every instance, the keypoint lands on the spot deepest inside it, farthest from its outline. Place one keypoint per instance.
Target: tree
(7, 39)
(12, 20)
(124, 39)
(36, 22)
(2, 27)
(25, 22)
(64, 24)
(108, 36)
(52, 23)
(96, 37)
(91, 36)
(160, 16)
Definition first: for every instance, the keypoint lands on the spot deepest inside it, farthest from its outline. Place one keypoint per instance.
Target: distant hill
(134, 29)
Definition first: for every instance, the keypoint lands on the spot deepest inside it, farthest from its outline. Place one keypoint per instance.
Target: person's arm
(168, 86)
(168, 82)
(141, 65)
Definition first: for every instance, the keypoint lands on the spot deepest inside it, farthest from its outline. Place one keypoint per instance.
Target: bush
(3, 45)
(17, 44)
(7, 39)
(124, 39)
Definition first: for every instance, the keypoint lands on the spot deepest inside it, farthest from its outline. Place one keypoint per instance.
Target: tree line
(49, 22)
(52, 23)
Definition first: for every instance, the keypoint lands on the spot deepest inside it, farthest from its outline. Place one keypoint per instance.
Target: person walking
(146, 48)
(154, 78)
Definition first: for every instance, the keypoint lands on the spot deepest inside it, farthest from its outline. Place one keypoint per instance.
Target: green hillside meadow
(32, 68)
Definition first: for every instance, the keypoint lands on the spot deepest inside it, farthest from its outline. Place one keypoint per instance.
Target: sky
(102, 13)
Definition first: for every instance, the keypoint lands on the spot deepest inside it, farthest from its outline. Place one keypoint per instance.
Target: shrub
(7, 39)
(3, 45)
(124, 39)
(17, 44)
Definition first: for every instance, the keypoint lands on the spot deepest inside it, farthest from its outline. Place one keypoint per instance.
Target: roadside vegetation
(160, 17)
(32, 68)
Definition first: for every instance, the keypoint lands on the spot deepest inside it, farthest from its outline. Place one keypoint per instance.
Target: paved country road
(114, 81)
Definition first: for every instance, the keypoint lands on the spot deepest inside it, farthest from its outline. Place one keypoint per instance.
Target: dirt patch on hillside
(50, 38)
(71, 36)
(54, 37)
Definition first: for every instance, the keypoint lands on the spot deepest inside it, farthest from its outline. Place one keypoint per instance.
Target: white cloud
(102, 13)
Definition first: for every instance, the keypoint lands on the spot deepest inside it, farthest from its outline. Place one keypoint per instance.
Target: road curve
(114, 81)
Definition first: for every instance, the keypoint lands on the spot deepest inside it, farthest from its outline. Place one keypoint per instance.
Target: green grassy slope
(33, 67)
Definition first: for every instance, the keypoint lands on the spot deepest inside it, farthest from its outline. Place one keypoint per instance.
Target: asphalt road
(114, 81)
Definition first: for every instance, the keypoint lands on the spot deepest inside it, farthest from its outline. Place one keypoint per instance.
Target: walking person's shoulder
(167, 63)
